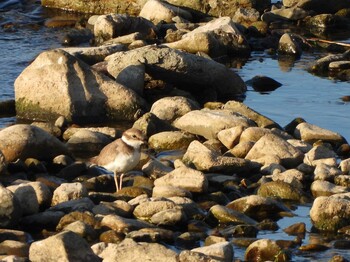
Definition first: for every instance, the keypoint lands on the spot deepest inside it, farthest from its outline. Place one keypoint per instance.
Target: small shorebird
(122, 155)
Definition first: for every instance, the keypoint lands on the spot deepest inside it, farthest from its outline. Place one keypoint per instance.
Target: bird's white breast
(124, 162)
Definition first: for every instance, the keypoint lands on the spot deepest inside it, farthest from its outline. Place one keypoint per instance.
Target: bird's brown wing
(107, 153)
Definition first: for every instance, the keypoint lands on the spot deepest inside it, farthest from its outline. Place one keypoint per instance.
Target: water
(315, 99)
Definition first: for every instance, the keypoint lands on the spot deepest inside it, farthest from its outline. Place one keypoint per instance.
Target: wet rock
(312, 133)
(170, 191)
(86, 142)
(171, 108)
(227, 215)
(129, 250)
(118, 207)
(321, 65)
(165, 12)
(7, 108)
(264, 250)
(123, 225)
(288, 45)
(296, 229)
(222, 251)
(325, 188)
(25, 141)
(164, 141)
(258, 207)
(97, 98)
(209, 122)
(112, 25)
(68, 191)
(216, 38)
(186, 178)
(262, 83)
(93, 55)
(230, 137)
(68, 246)
(159, 63)
(282, 190)
(331, 213)
(278, 147)
(10, 208)
(16, 248)
(207, 160)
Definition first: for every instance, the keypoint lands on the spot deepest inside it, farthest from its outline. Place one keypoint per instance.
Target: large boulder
(216, 38)
(185, 71)
(57, 83)
(24, 141)
(132, 7)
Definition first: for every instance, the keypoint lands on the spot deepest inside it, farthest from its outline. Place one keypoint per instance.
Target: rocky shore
(216, 173)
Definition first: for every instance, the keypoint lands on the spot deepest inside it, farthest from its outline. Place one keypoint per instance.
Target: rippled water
(316, 99)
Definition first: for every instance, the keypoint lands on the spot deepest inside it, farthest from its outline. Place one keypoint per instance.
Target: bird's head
(134, 137)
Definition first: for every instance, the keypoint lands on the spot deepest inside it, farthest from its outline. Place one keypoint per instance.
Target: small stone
(325, 188)
(68, 191)
(296, 229)
(265, 250)
(222, 251)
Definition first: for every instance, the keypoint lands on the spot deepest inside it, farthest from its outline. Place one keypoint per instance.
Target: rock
(44, 220)
(312, 133)
(331, 213)
(169, 217)
(170, 191)
(296, 229)
(288, 45)
(165, 12)
(155, 169)
(151, 124)
(98, 97)
(259, 119)
(80, 204)
(3, 164)
(72, 171)
(231, 136)
(112, 25)
(146, 210)
(325, 188)
(253, 134)
(7, 108)
(342, 180)
(210, 122)
(67, 192)
(242, 149)
(246, 16)
(171, 108)
(321, 65)
(319, 153)
(24, 141)
(226, 215)
(207, 160)
(263, 83)
(278, 147)
(10, 208)
(123, 225)
(222, 251)
(291, 176)
(82, 229)
(49, 128)
(265, 250)
(87, 143)
(319, 6)
(282, 190)
(132, 77)
(93, 55)
(192, 256)
(164, 141)
(118, 207)
(172, 66)
(216, 38)
(129, 250)
(110, 132)
(284, 14)
(68, 247)
(77, 36)
(185, 178)
(95, 7)
(258, 207)
(326, 172)
(16, 248)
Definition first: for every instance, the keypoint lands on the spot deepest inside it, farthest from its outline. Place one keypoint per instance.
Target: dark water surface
(23, 36)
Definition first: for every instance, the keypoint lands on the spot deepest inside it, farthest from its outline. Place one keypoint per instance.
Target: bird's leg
(116, 181)
(121, 181)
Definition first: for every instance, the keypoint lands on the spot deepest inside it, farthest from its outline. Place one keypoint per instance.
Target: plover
(122, 155)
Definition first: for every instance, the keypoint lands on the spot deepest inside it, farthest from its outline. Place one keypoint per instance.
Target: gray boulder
(26, 141)
(183, 70)
(57, 83)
